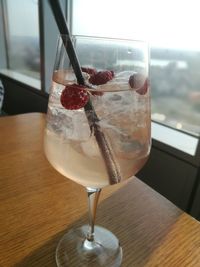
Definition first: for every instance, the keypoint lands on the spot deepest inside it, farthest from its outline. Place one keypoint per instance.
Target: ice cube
(124, 145)
(80, 126)
(90, 147)
(58, 121)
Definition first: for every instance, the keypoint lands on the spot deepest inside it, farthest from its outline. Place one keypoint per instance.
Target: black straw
(112, 168)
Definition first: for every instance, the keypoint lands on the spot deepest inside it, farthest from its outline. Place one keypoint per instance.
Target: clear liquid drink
(97, 131)
(124, 118)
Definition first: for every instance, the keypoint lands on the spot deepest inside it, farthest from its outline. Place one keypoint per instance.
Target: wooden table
(37, 205)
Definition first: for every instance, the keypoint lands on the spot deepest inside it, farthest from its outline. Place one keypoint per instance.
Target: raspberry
(90, 71)
(137, 82)
(101, 77)
(142, 90)
(74, 96)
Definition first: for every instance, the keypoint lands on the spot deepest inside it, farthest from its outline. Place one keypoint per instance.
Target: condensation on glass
(23, 37)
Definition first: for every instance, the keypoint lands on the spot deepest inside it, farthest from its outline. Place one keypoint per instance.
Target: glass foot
(74, 251)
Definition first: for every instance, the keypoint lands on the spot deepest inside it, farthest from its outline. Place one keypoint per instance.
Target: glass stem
(93, 197)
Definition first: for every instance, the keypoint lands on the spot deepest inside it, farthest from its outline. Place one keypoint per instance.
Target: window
(28, 36)
(169, 25)
(22, 36)
(171, 28)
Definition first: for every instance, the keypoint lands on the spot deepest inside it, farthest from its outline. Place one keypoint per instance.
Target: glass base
(75, 251)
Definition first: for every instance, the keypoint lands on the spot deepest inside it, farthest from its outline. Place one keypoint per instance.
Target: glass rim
(106, 38)
(65, 38)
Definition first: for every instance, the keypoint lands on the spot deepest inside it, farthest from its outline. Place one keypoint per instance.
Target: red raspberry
(101, 77)
(74, 96)
(142, 90)
(137, 82)
(90, 71)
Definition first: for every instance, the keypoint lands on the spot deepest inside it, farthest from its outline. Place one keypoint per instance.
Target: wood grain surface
(38, 205)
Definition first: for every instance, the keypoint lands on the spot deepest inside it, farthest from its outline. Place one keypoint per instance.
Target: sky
(164, 23)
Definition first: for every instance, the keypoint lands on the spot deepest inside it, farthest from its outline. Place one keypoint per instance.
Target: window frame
(194, 160)
(5, 70)
(3, 37)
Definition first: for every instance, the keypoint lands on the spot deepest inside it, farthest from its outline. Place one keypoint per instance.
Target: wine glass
(98, 131)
